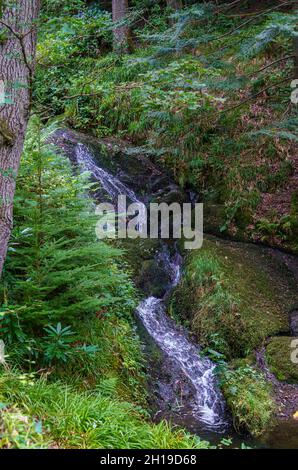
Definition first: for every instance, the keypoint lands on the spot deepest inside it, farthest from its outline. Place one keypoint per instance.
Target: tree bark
(17, 52)
(121, 32)
(174, 4)
(296, 57)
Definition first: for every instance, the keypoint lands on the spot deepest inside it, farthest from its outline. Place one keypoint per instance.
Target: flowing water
(208, 404)
(109, 183)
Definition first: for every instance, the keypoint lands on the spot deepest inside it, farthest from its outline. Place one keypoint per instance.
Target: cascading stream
(209, 404)
(110, 183)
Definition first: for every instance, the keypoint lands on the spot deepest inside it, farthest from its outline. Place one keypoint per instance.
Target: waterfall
(209, 403)
(173, 341)
(110, 183)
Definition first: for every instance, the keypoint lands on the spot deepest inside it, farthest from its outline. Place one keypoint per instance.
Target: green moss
(248, 396)
(278, 355)
(234, 292)
(137, 251)
(7, 137)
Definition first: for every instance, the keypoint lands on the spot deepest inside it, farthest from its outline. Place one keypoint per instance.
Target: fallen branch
(254, 96)
(270, 65)
(251, 20)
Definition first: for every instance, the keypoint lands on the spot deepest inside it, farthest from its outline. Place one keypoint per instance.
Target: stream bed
(183, 384)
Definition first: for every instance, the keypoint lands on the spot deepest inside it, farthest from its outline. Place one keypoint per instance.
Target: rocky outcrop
(138, 171)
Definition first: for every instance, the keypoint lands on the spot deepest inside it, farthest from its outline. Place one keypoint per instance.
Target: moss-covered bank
(234, 296)
(280, 355)
(249, 397)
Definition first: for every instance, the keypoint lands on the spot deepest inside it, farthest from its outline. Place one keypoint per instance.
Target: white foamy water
(173, 341)
(110, 183)
(209, 407)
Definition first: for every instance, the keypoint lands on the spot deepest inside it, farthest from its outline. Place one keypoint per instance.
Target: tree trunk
(17, 52)
(174, 4)
(121, 32)
(296, 57)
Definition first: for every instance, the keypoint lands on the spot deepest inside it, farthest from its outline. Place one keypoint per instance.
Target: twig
(270, 65)
(81, 95)
(250, 21)
(11, 29)
(254, 96)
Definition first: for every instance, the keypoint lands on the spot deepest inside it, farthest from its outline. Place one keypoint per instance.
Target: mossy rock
(152, 279)
(279, 352)
(234, 296)
(249, 398)
(136, 251)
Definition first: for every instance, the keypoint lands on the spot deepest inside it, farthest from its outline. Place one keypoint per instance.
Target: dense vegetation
(218, 87)
(74, 375)
(233, 297)
(204, 91)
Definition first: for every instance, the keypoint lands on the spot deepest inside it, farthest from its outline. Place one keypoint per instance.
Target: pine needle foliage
(56, 269)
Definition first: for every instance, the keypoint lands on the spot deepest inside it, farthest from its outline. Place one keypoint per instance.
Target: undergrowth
(71, 366)
(177, 95)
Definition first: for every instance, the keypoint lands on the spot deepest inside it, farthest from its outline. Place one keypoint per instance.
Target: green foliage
(272, 229)
(278, 356)
(90, 420)
(115, 358)
(56, 269)
(249, 398)
(18, 431)
(277, 25)
(58, 342)
(286, 129)
(168, 97)
(57, 345)
(52, 8)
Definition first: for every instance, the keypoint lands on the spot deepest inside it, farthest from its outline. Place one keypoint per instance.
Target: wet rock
(152, 279)
(168, 194)
(136, 170)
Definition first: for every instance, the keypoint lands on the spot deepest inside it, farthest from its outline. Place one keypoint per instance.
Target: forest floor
(279, 202)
